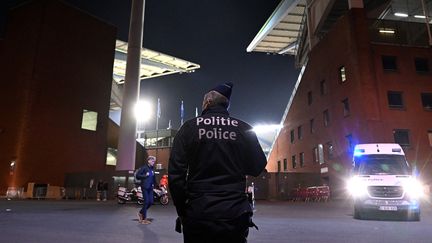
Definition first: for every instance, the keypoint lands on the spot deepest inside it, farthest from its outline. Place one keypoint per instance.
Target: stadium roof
(282, 30)
(153, 63)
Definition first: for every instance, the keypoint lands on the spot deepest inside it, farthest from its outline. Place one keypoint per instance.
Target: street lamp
(143, 111)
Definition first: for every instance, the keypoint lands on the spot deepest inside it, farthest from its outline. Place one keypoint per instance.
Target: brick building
(56, 65)
(364, 80)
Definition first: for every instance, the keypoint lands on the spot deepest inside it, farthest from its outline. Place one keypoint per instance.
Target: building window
(292, 136)
(427, 101)
(89, 120)
(285, 165)
(326, 118)
(395, 99)
(309, 95)
(430, 137)
(323, 87)
(342, 74)
(299, 132)
(389, 63)
(278, 166)
(311, 126)
(330, 150)
(315, 155)
(293, 161)
(346, 107)
(111, 156)
(321, 154)
(301, 159)
(421, 65)
(401, 136)
(350, 143)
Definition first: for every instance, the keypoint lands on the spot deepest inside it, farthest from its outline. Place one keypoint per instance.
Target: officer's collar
(215, 109)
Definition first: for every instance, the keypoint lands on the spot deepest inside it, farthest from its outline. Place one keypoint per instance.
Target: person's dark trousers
(148, 201)
(216, 231)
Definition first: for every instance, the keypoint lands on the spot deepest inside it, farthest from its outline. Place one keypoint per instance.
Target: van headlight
(356, 187)
(413, 188)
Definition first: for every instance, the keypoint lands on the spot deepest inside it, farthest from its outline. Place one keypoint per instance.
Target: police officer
(209, 161)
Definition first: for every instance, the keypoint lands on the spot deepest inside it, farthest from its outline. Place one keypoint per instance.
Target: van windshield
(379, 164)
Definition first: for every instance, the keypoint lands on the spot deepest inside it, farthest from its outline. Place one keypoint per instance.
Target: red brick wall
(60, 62)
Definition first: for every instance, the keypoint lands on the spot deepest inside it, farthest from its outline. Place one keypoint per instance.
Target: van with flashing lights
(382, 181)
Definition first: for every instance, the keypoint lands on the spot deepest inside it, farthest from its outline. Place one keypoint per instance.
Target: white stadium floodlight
(143, 110)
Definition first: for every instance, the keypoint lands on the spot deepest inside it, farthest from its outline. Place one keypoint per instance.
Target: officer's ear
(206, 103)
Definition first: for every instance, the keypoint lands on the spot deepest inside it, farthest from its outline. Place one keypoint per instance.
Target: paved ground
(90, 221)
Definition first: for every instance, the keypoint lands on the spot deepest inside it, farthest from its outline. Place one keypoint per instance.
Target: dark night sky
(213, 34)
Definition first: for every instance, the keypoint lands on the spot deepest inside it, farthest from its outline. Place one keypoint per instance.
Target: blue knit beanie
(224, 89)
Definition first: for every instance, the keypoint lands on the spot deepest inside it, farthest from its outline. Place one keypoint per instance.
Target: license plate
(388, 208)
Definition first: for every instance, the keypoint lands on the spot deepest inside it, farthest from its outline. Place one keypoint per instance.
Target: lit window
(111, 156)
(401, 136)
(326, 118)
(427, 101)
(299, 132)
(321, 153)
(389, 63)
(421, 65)
(346, 107)
(342, 74)
(309, 95)
(293, 160)
(330, 150)
(89, 120)
(301, 159)
(315, 155)
(285, 164)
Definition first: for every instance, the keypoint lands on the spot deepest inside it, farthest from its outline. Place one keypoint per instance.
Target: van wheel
(164, 200)
(414, 216)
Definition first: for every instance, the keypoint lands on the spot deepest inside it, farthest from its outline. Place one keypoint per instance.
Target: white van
(382, 181)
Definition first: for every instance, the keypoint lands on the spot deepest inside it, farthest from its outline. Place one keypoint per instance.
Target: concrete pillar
(127, 137)
(355, 4)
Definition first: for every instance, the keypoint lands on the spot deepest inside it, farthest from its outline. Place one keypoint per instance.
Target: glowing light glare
(419, 16)
(143, 110)
(414, 188)
(266, 128)
(387, 31)
(356, 187)
(403, 15)
(358, 152)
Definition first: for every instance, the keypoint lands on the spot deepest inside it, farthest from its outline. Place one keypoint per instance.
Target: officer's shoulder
(241, 122)
(188, 123)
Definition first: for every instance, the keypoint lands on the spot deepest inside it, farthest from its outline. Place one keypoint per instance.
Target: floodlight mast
(127, 136)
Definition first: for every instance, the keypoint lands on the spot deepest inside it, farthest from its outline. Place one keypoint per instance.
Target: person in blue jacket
(148, 180)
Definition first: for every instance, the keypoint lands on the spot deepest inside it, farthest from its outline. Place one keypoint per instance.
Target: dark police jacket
(210, 157)
(147, 181)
